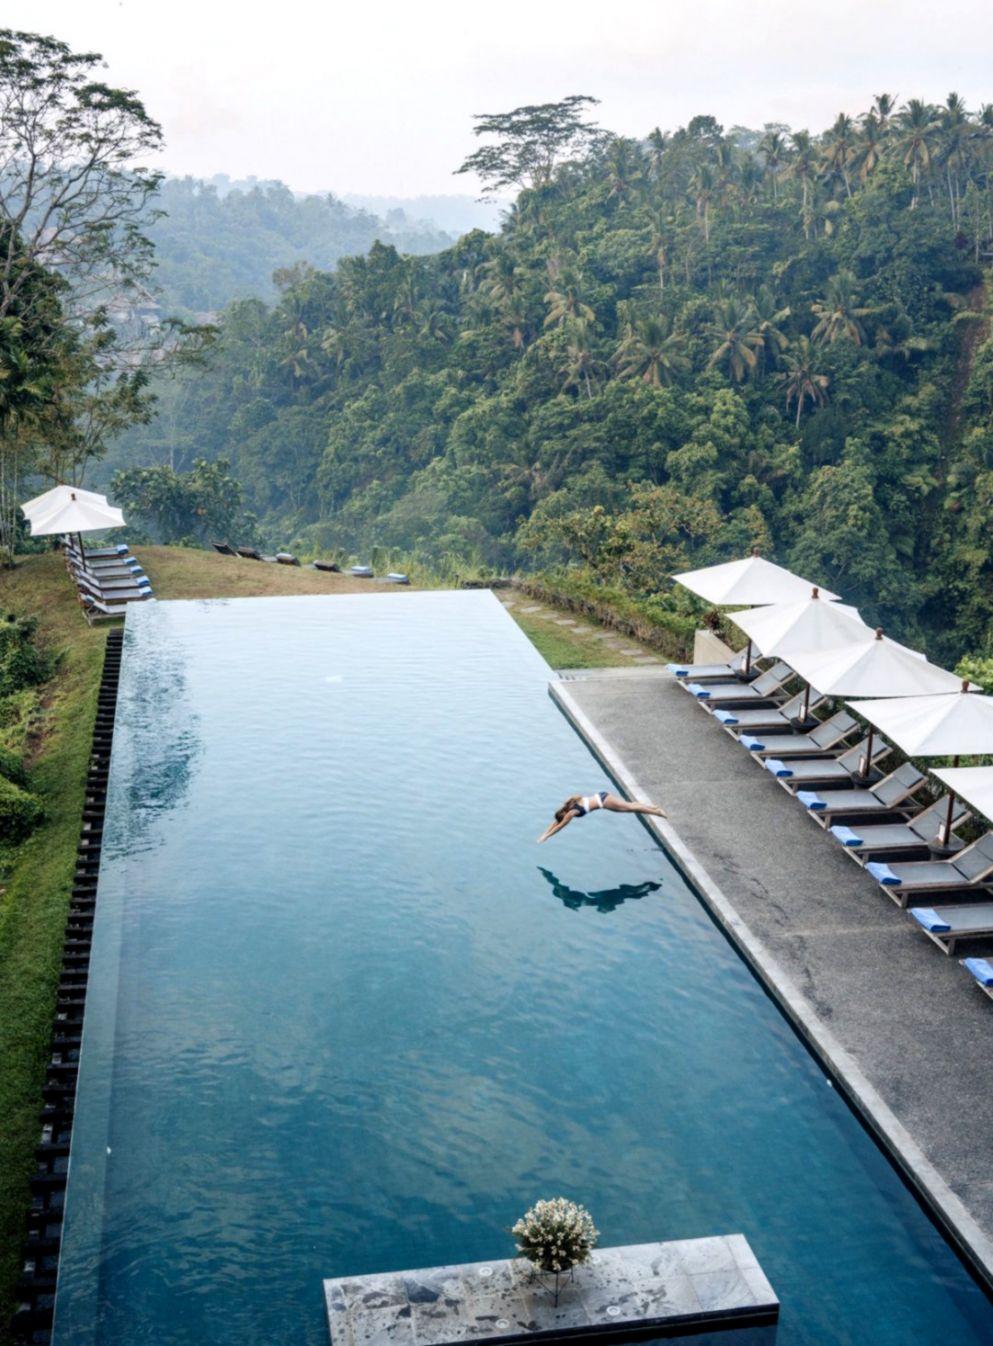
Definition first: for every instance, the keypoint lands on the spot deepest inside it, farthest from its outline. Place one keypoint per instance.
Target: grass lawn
(34, 892)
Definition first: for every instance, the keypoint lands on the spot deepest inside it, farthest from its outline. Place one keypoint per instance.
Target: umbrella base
(804, 725)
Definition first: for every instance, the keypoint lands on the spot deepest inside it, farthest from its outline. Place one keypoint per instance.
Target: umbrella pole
(945, 835)
(865, 764)
(748, 656)
(805, 712)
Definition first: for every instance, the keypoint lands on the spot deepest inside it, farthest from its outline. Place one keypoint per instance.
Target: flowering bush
(555, 1235)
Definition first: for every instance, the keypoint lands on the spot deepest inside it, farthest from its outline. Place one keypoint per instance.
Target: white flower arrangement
(555, 1235)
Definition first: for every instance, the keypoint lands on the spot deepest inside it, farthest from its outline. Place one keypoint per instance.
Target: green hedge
(649, 619)
(20, 812)
(12, 768)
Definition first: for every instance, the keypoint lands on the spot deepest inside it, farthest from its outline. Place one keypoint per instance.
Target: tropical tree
(916, 133)
(738, 341)
(800, 380)
(839, 149)
(564, 301)
(531, 142)
(769, 317)
(581, 366)
(803, 167)
(652, 351)
(773, 149)
(839, 315)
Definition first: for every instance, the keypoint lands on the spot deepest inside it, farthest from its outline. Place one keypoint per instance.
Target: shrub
(12, 768)
(555, 1235)
(22, 663)
(20, 812)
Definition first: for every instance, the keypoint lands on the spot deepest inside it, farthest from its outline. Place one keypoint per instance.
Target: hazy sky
(378, 97)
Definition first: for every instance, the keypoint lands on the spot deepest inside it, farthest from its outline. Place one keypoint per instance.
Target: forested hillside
(675, 349)
(215, 243)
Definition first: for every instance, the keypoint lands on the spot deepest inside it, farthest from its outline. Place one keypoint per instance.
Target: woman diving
(578, 806)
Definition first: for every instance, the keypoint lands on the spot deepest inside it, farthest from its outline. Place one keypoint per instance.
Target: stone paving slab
(900, 1023)
(687, 1284)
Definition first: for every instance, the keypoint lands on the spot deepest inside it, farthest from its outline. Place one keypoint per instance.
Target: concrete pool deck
(901, 1028)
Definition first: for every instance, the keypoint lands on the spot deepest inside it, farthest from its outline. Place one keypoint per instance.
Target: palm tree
(658, 143)
(703, 185)
(581, 365)
(660, 227)
(651, 351)
(564, 301)
(839, 146)
(916, 129)
(624, 168)
(737, 339)
(956, 132)
(800, 380)
(768, 324)
(504, 286)
(804, 168)
(838, 314)
(772, 148)
(883, 107)
(869, 149)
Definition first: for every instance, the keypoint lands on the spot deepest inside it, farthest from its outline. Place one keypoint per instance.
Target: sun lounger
(115, 558)
(251, 553)
(945, 926)
(768, 686)
(116, 595)
(362, 572)
(286, 558)
(890, 795)
(109, 570)
(970, 868)
(709, 672)
(829, 734)
(397, 577)
(224, 548)
(917, 833)
(117, 550)
(801, 774)
(95, 610)
(108, 583)
(329, 566)
(781, 719)
(981, 971)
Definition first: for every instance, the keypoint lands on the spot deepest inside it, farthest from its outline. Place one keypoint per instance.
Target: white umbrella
(812, 624)
(747, 583)
(76, 514)
(956, 724)
(43, 504)
(974, 784)
(872, 666)
(750, 582)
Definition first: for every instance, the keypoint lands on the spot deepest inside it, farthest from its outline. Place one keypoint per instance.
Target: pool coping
(947, 1209)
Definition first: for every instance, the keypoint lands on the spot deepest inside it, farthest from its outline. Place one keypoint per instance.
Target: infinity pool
(345, 1016)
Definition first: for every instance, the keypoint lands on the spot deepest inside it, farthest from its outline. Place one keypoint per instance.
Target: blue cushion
(777, 767)
(929, 919)
(981, 969)
(697, 690)
(725, 717)
(846, 836)
(882, 873)
(752, 744)
(809, 800)
(678, 670)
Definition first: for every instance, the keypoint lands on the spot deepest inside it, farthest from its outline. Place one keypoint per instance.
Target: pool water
(345, 1016)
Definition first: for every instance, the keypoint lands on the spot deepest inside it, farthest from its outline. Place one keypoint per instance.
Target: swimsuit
(588, 803)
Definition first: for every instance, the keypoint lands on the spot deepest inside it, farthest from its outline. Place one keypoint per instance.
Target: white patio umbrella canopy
(43, 504)
(872, 666)
(974, 784)
(748, 583)
(957, 724)
(813, 624)
(77, 515)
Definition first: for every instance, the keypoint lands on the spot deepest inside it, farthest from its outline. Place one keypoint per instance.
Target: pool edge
(947, 1209)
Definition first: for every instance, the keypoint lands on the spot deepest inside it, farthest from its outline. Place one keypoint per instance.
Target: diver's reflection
(607, 900)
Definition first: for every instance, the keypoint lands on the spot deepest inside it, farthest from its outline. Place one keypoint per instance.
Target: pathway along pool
(345, 1016)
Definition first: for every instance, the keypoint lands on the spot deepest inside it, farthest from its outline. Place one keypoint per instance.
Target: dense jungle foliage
(213, 246)
(675, 349)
